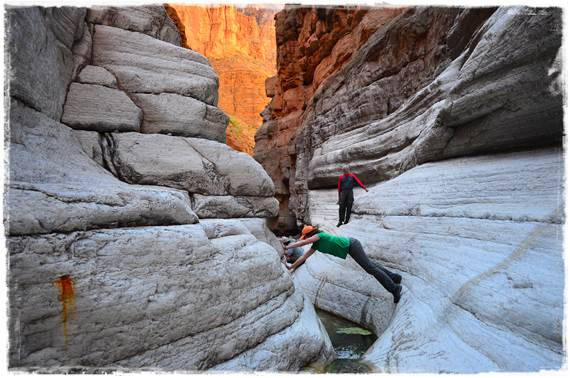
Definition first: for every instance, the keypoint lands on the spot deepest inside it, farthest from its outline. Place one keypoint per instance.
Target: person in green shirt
(341, 246)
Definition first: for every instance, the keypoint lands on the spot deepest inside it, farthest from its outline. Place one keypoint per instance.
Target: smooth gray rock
(130, 292)
(98, 108)
(90, 142)
(197, 165)
(256, 226)
(97, 75)
(143, 64)
(150, 19)
(234, 207)
(478, 242)
(491, 98)
(169, 113)
(306, 339)
(39, 43)
(53, 186)
(82, 50)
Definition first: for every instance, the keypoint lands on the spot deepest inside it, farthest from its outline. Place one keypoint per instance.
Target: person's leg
(394, 276)
(357, 253)
(349, 201)
(341, 207)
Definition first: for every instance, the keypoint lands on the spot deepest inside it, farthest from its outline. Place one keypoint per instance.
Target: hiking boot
(397, 278)
(339, 224)
(396, 293)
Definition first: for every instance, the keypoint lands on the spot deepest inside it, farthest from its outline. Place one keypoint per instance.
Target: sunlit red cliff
(240, 45)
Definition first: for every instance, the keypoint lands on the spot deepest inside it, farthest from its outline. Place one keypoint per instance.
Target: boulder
(97, 75)
(39, 69)
(143, 64)
(169, 113)
(53, 186)
(151, 20)
(98, 108)
(478, 242)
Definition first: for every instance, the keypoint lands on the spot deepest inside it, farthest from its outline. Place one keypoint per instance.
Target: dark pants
(346, 198)
(384, 276)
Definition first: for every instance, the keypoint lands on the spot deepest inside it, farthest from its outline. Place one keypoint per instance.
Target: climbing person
(340, 246)
(345, 196)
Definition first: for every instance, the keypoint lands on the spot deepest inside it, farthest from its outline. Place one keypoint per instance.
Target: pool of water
(350, 342)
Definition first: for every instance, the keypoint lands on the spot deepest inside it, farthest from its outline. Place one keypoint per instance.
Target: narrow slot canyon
(158, 158)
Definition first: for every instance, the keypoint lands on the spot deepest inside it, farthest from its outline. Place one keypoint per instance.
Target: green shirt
(332, 245)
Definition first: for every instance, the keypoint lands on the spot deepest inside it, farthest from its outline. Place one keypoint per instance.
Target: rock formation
(239, 42)
(453, 119)
(114, 160)
(312, 44)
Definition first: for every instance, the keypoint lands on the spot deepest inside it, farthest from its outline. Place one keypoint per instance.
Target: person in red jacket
(346, 182)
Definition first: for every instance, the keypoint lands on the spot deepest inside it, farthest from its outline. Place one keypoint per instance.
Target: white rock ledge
(478, 242)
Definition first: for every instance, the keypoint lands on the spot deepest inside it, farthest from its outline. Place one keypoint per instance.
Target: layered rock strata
(464, 165)
(109, 265)
(312, 44)
(240, 44)
(468, 99)
(478, 242)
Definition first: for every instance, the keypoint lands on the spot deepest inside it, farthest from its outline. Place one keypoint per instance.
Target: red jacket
(350, 175)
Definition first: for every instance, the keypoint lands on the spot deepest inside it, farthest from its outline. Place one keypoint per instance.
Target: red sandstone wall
(240, 44)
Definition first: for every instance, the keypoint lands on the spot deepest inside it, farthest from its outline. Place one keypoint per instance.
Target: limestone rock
(150, 20)
(55, 187)
(90, 142)
(313, 44)
(95, 107)
(143, 64)
(82, 50)
(307, 334)
(473, 106)
(169, 113)
(39, 73)
(97, 75)
(478, 242)
(154, 277)
(196, 165)
(103, 273)
(259, 228)
(234, 207)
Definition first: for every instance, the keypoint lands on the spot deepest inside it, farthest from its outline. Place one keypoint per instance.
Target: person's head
(346, 169)
(308, 231)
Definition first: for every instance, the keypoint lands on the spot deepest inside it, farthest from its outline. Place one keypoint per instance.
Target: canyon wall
(312, 44)
(239, 42)
(453, 119)
(136, 238)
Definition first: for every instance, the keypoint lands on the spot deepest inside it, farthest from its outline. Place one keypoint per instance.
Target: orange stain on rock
(67, 298)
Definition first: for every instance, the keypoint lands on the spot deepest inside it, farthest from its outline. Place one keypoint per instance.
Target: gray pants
(384, 276)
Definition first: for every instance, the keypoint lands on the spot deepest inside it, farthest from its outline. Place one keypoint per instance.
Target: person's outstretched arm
(358, 181)
(301, 260)
(301, 243)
